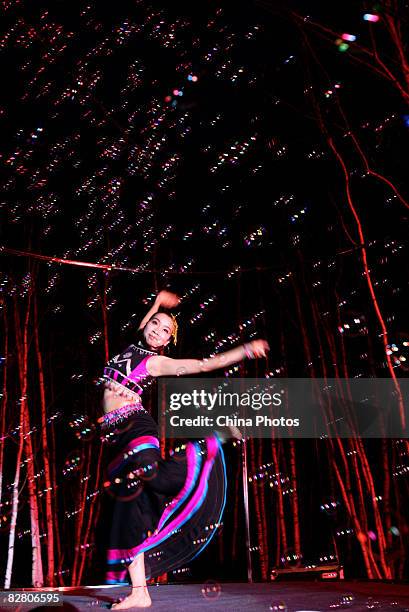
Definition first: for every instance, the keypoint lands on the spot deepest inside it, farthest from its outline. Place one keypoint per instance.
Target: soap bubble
(345, 601)
(211, 589)
(278, 606)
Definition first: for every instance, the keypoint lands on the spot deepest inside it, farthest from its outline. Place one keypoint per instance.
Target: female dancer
(165, 511)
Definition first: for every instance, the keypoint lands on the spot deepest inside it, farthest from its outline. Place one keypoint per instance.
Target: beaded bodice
(126, 372)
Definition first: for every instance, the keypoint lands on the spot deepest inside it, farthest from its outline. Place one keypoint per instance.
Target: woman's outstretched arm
(165, 366)
(166, 299)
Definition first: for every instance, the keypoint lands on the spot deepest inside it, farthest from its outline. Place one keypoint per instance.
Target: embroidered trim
(120, 414)
(133, 448)
(143, 350)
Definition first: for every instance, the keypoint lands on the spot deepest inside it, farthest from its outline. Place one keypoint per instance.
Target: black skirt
(169, 509)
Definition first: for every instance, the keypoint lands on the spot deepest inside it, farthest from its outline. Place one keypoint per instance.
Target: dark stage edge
(234, 597)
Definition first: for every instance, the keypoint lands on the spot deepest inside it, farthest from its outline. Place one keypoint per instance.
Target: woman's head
(159, 331)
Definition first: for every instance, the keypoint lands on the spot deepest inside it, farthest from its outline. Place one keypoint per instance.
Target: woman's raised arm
(166, 299)
(165, 366)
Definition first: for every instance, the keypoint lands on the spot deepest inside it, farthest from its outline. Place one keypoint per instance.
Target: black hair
(162, 311)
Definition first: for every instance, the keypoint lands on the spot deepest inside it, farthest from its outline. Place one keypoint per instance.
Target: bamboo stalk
(84, 480)
(4, 400)
(46, 455)
(264, 549)
(280, 502)
(22, 363)
(259, 524)
(22, 352)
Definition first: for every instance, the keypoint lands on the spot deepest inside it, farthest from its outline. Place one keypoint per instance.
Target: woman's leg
(139, 597)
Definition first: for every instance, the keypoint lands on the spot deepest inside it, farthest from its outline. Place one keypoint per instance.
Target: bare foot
(138, 598)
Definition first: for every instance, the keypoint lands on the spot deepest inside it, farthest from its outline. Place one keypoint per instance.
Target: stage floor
(235, 597)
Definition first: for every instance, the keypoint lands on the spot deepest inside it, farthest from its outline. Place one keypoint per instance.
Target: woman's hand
(256, 348)
(167, 299)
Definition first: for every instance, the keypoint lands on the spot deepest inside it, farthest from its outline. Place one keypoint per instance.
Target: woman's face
(158, 331)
